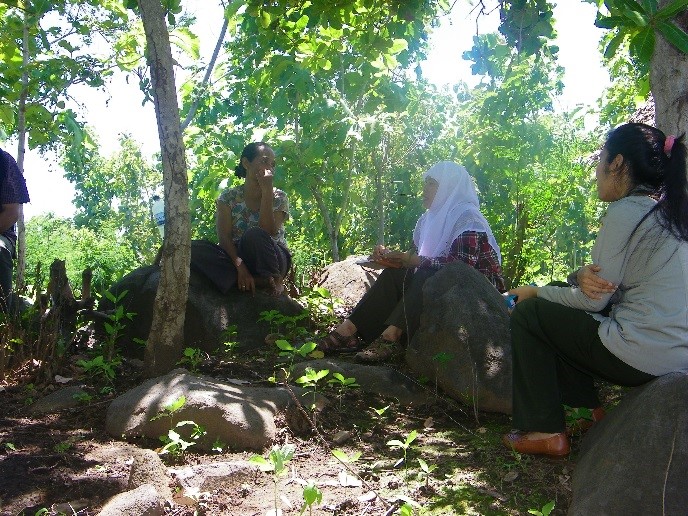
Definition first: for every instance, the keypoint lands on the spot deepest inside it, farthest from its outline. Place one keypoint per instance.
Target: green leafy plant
(192, 357)
(441, 359)
(545, 511)
(173, 442)
(83, 397)
(99, 366)
(270, 316)
(116, 323)
(287, 350)
(405, 446)
(30, 392)
(321, 307)
(230, 342)
(276, 463)
(311, 495)
(10, 446)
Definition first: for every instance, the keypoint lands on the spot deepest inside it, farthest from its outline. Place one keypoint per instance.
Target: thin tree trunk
(211, 65)
(332, 230)
(669, 81)
(166, 338)
(20, 284)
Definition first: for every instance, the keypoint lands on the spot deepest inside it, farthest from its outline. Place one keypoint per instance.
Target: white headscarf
(454, 210)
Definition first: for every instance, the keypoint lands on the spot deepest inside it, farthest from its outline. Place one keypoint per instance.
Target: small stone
(341, 437)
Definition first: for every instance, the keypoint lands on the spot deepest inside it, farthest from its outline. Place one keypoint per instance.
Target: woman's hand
(524, 292)
(591, 284)
(245, 281)
(407, 260)
(265, 181)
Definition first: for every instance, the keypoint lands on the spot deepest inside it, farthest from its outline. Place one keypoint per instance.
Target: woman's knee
(255, 234)
(523, 313)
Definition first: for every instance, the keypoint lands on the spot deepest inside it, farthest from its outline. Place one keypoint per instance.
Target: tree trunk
(20, 283)
(669, 81)
(166, 338)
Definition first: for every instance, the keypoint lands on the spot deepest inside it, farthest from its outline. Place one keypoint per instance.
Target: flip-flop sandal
(335, 342)
(378, 351)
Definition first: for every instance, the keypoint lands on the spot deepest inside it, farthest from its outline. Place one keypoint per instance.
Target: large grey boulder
(142, 501)
(242, 417)
(347, 280)
(463, 343)
(208, 312)
(635, 461)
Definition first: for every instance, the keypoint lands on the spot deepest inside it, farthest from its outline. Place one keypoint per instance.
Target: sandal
(379, 351)
(335, 342)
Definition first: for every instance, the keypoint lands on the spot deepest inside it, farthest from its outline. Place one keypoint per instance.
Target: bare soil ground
(44, 464)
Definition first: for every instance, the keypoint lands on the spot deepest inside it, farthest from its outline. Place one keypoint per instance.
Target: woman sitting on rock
(560, 341)
(250, 228)
(452, 228)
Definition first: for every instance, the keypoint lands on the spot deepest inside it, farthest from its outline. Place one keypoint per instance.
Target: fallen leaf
(346, 480)
(428, 423)
(62, 379)
(367, 497)
(238, 382)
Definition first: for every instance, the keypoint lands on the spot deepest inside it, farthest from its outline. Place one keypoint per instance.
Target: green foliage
(276, 462)
(311, 495)
(116, 193)
(173, 442)
(116, 323)
(545, 511)
(192, 357)
(100, 367)
(49, 238)
(60, 37)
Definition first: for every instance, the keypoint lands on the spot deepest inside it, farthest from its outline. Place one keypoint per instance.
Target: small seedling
(230, 344)
(311, 495)
(173, 441)
(218, 446)
(545, 511)
(405, 445)
(10, 446)
(425, 471)
(276, 463)
(63, 446)
(82, 397)
(341, 383)
(343, 457)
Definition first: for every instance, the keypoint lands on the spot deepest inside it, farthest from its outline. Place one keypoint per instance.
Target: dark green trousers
(557, 353)
(395, 299)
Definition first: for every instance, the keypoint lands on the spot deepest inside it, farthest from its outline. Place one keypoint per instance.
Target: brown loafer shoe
(582, 425)
(555, 446)
(379, 351)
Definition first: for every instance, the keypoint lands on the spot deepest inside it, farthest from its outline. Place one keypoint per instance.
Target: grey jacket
(648, 324)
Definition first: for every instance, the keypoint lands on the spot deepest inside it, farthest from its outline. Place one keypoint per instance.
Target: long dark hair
(656, 162)
(250, 152)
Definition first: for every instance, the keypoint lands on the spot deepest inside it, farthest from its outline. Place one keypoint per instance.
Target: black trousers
(557, 353)
(263, 256)
(395, 299)
(6, 252)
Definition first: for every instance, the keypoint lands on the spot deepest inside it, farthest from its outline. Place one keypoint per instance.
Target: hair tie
(669, 144)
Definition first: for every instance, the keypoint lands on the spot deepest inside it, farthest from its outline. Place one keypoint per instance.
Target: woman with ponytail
(250, 229)
(562, 339)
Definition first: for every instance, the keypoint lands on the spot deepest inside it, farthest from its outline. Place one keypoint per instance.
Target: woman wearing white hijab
(452, 228)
